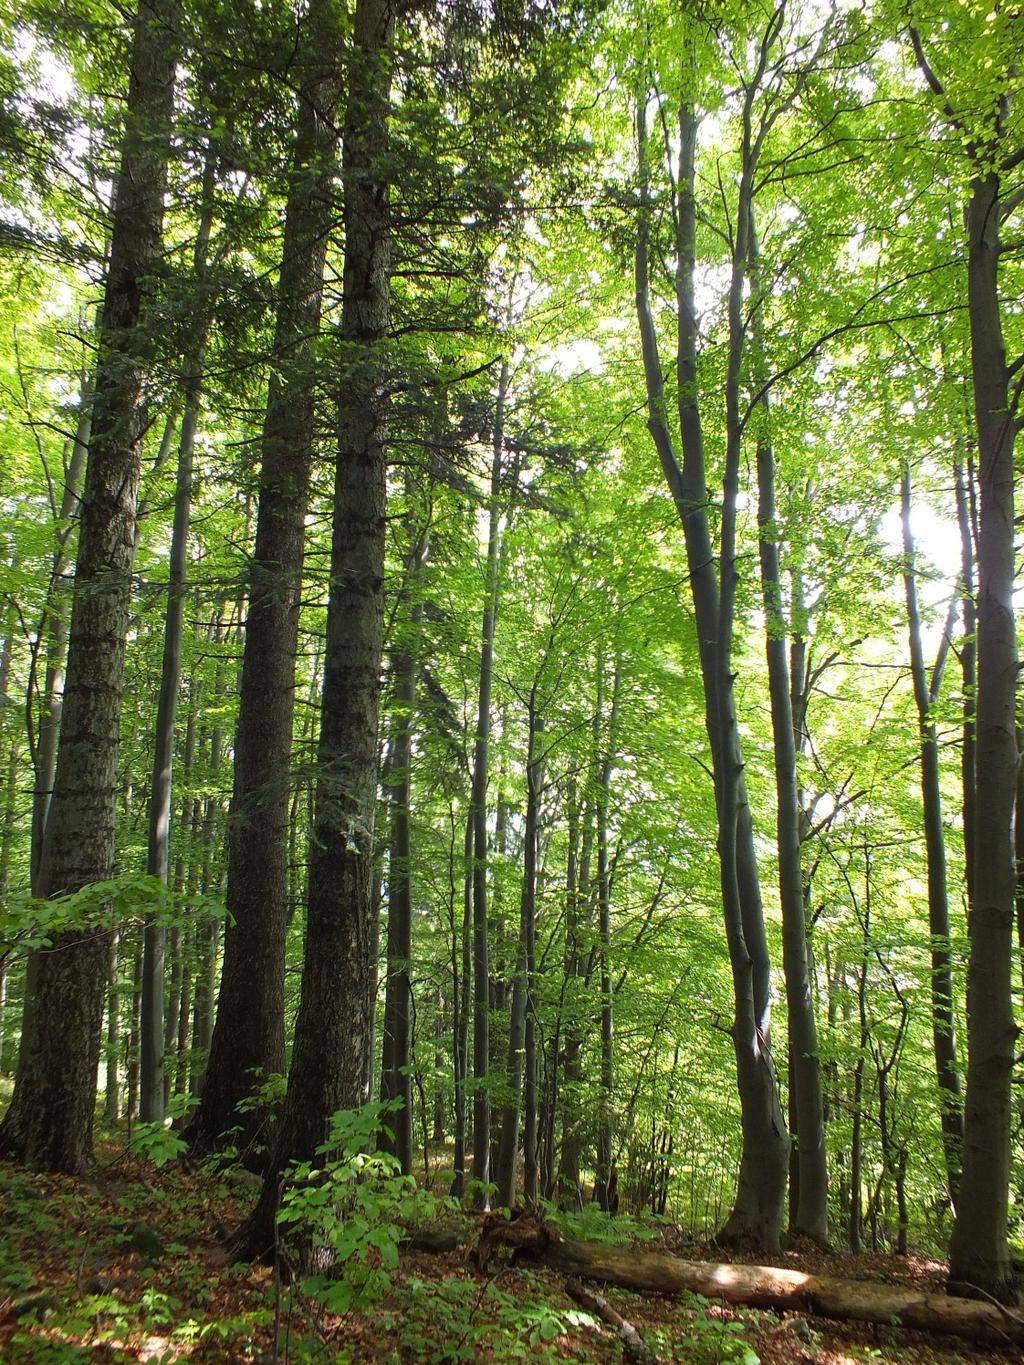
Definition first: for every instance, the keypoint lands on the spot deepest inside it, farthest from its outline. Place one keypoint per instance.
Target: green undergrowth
(129, 1266)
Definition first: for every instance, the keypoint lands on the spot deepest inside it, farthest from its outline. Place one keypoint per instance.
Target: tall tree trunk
(568, 1182)
(809, 1210)
(926, 694)
(508, 1144)
(478, 804)
(964, 482)
(757, 1211)
(111, 1096)
(461, 997)
(396, 1076)
(603, 1175)
(49, 1122)
(248, 1039)
(979, 1256)
(332, 1028)
(152, 1042)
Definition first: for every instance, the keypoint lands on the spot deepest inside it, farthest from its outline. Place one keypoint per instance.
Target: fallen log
(529, 1238)
(633, 1344)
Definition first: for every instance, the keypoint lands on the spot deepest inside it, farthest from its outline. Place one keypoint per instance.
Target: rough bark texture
(49, 1122)
(248, 1039)
(332, 1030)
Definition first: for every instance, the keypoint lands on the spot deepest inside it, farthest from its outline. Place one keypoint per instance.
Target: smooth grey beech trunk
(810, 1216)
(49, 1122)
(979, 1255)
(756, 1215)
(248, 1038)
(926, 695)
(332, 1030)
(966, 518)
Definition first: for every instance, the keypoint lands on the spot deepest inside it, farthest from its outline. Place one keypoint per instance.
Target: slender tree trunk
(438, 1125)
(505, 1167)
(332, 1028)
(535, 783)
(925, 696)
(8, 835)
(979, 1256)
(856, 1139)
(396, 1076)
(461, 996)
(568, 1183)
(603, 1174)
(809, 1210)
(248, 1039)
(478, 804)
(158, 849)
(207, 926)
(49, 1122)
(757, 1211)
(111, 1096)
(132, 1037)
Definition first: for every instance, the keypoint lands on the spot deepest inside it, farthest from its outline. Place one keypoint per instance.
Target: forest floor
(129, 1266)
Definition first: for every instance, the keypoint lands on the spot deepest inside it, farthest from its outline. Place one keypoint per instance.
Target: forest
(511, 828)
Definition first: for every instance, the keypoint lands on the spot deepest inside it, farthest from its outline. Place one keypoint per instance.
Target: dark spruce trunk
(248, 1039)
(49, 1122)
(332, 1030)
